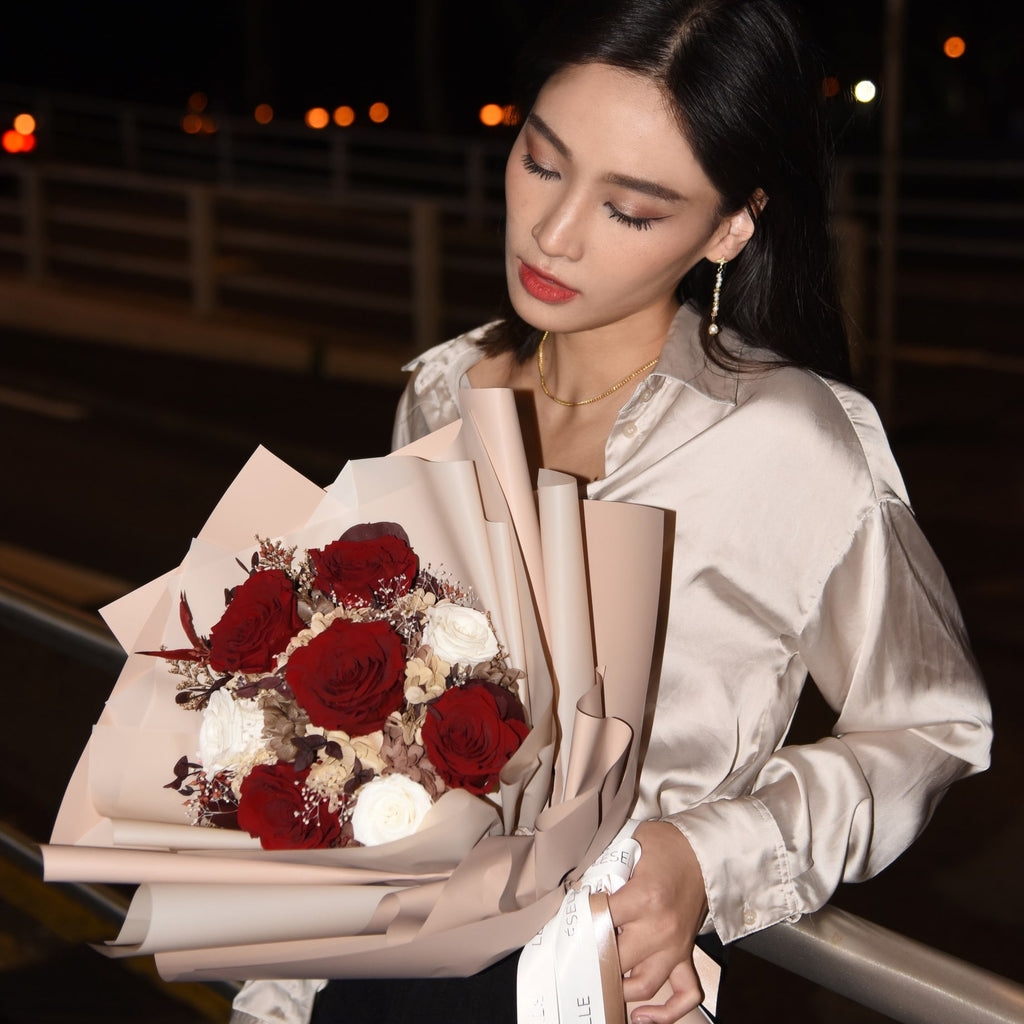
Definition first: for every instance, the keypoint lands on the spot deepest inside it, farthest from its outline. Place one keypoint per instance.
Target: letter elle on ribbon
(569, 973)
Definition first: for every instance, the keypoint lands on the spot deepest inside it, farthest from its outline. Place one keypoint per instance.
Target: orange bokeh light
(264, 113)
(954, 47)
(25, 124)
(28, 143)
(379, 112)
(344, 116)
(197, 102)
(491, 115)
(192, 123)
(317, 117)
(12, 141)
(830, 86)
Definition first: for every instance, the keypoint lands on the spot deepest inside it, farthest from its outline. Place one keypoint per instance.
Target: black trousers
(485, 998)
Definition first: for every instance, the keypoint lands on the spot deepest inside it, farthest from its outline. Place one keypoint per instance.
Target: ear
(735, 230)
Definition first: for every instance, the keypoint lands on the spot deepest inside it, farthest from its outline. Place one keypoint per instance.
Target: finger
(686, 995)
(659, 942)
(628, 904)
(649, 977)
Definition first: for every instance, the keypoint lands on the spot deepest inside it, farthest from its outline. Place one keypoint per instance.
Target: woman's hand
(658, 913)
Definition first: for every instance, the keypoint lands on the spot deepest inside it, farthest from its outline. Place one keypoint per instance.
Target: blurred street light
(864, 91)
(317, 117)
(954, 47)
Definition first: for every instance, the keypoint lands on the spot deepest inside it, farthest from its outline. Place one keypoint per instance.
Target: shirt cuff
(746, 869)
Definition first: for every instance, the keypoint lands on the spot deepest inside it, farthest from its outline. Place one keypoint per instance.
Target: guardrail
(371, 264)
(878, 968)
(347, 235)
(465, 175)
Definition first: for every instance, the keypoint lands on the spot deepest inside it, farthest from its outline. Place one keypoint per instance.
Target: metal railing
(345, 237)
(878, 968)
(464, 174)
(373, 264)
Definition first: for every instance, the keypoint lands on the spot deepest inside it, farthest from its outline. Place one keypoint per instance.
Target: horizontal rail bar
(60, 626)
(105, 220)
(888, 972)
(276, 242)
(264, 284)
(127, 263)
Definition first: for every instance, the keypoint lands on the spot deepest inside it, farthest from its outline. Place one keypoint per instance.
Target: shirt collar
(683, 359)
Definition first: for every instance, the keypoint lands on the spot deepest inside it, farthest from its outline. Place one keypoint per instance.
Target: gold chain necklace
(585, 401)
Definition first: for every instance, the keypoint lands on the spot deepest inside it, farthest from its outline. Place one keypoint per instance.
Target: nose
(558, 231)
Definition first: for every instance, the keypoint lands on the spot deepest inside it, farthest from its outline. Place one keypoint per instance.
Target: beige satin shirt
(795, 551)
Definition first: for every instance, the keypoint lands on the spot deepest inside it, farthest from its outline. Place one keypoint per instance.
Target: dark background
(435, 62)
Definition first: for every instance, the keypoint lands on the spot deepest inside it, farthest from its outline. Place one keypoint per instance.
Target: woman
(676, 340)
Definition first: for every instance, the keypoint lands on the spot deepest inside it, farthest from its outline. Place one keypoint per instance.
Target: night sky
(297, 54)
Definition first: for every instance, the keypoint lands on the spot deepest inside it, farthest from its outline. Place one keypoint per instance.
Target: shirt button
(749, 917)
(629, 430)
(646, 395)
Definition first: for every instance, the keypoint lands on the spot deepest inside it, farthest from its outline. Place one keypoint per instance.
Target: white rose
(460, 636)
(388, 808)
(232, 731)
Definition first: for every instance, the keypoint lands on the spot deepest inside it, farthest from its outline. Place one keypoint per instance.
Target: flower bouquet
(343, 690)
(414, 718)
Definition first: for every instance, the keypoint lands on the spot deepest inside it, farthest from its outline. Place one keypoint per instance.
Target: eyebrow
(650, 188)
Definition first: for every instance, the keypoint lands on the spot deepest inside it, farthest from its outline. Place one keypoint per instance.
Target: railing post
(225, 153)
(201, 249)
(853, 277)
(34, 223)
(895, 17)
(476, 182)
(339, 166)
(426, 273)
(129, 121)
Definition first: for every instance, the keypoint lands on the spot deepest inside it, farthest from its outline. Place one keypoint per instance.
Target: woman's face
(607, 205)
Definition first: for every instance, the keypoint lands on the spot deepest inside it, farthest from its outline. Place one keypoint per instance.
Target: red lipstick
(543, 287)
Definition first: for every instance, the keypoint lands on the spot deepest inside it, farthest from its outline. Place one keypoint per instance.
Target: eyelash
(546, 174)
(640, 223)
(535, 168)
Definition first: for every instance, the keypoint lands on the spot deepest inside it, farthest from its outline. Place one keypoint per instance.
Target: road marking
(52, 408)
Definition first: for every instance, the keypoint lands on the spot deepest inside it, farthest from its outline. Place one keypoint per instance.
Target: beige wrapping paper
(477, 880)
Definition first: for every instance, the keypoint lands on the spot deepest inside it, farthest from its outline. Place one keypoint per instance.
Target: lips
(541, 286)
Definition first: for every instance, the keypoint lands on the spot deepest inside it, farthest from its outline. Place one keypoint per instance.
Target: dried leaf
(182, 654)
(185, 614)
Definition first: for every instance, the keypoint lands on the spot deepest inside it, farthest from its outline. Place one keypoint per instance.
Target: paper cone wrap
(571, 588)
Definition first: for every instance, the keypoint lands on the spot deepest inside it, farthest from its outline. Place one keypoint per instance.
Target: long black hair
(746, 91)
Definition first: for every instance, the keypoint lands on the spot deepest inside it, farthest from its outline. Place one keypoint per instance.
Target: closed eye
(535, 168)
(640, 223)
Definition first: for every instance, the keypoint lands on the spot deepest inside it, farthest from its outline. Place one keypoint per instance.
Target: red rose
(275, 808)
(350, 677)
(471, 731)
(258, 623)
(365, 563)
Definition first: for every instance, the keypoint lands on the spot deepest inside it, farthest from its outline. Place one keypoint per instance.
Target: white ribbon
(560, 979)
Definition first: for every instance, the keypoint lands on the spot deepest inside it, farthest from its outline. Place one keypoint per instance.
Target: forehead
(618, 121)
